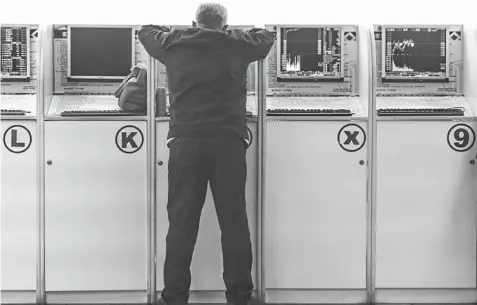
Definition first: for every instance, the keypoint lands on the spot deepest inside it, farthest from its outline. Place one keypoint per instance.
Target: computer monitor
(100, 52)
(418, 53)
(309, 53)
(15, 52)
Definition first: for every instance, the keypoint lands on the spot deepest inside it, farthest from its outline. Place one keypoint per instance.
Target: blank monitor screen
(14, 52)
(309, 52)
(415, 53)
(100, 52)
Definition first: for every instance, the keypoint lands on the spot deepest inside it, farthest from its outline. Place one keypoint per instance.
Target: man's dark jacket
(207, 73)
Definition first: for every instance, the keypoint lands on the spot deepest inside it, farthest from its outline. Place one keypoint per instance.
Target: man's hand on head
(166, 28)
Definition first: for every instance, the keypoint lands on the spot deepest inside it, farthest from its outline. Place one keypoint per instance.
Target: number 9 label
(461, 137)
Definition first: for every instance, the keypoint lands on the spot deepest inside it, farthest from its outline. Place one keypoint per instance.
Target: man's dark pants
(194, 162)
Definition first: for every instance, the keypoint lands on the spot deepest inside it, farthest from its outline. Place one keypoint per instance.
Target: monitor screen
(100, 52)
(309, 52)
(15, 52)
(415, 53)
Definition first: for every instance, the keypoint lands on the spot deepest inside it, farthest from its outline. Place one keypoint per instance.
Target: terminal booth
(315, 166)
(95, 219)
(20, 47)
(425, 182)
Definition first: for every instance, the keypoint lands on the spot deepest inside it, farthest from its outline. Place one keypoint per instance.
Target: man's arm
(155, 40)
(257, 43)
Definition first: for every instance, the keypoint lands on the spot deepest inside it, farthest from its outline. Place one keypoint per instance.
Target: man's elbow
(144, 32)
(265, 48)
(268, 40)
(147, 36)
(141, 35)
(269, 44)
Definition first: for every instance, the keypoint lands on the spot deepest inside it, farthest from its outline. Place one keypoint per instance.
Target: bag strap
(120, 89)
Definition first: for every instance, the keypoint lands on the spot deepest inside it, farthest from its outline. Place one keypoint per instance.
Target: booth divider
(371, 216)
(261, 130)
(151, 162)
(45, 88)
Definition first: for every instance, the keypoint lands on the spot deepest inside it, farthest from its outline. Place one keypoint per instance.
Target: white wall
(257, 12)
(470, 67)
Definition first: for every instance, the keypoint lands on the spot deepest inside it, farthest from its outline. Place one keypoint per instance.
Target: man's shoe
(161, 301)
(253, 301)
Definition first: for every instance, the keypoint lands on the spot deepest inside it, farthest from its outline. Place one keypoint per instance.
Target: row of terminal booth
(349, 200)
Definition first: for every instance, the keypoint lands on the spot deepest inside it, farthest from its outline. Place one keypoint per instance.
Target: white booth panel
(425, 296)
(19, 197)
(426, 205)
(315, 205)
(95, 205)
(207, 265)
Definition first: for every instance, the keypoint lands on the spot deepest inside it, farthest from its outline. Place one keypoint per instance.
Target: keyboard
(17, 104)
(77, 113)
(14, 112)
(248, 113)
(421, 112)
(310, 112)
(88, 103)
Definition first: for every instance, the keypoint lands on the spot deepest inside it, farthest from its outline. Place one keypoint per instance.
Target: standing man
(207, 71)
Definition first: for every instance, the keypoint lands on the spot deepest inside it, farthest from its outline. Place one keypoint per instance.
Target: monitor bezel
(311, 78)
(413, 78)
(28, 74)
(240, 27)
(98, 77)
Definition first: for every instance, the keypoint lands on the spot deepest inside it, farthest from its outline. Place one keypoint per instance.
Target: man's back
(207, 73)
(207, 70)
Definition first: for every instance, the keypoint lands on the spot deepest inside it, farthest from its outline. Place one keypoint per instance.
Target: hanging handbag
(132, 92)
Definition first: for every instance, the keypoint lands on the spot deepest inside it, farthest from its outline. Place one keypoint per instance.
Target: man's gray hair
(211, 15)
